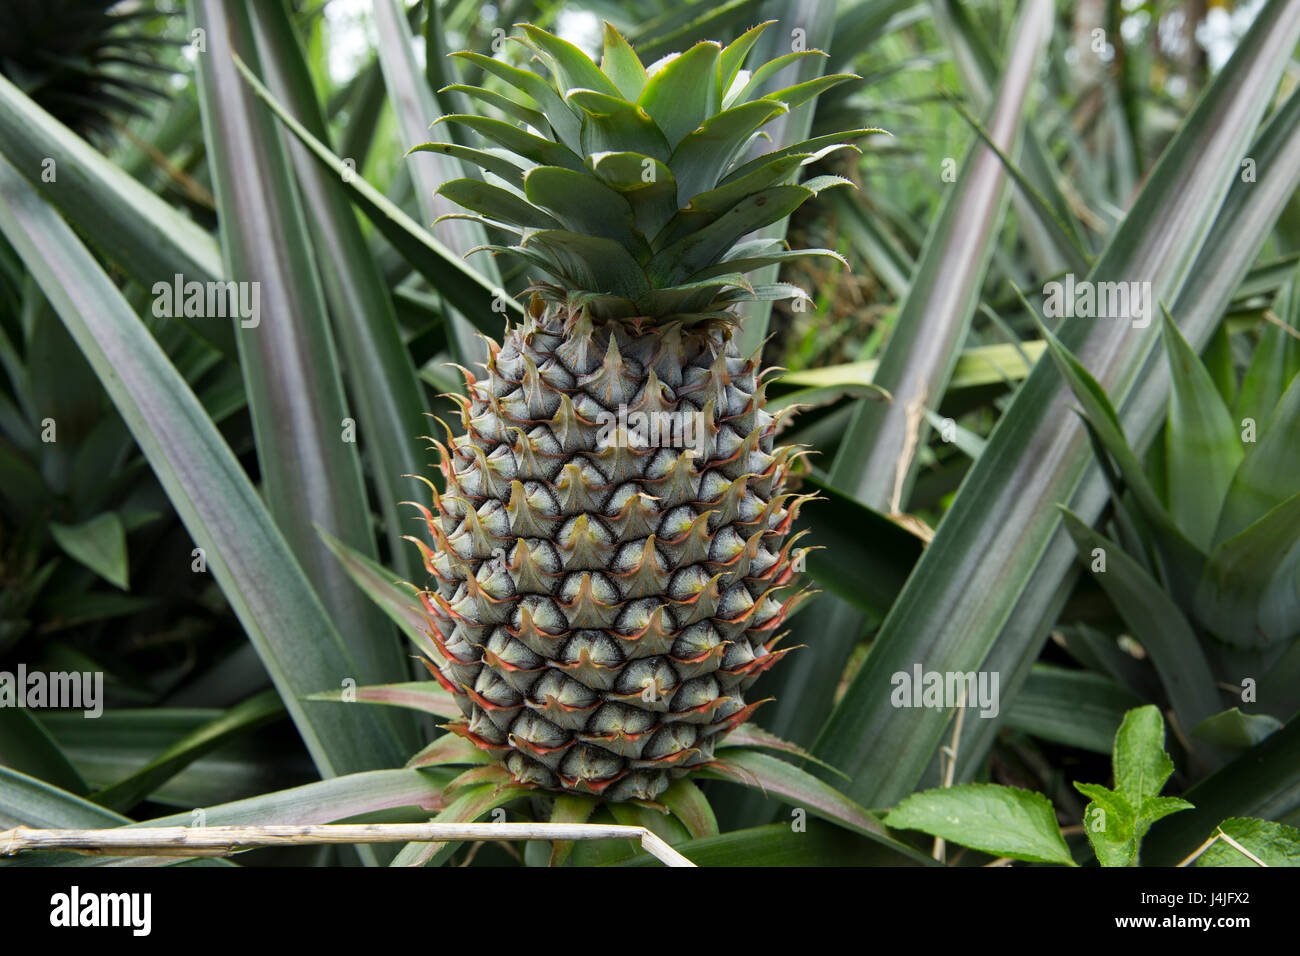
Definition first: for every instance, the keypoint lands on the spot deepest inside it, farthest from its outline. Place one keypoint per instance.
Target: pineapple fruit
(612, 560)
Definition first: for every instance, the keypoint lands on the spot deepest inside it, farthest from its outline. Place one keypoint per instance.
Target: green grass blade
(934, 318)
(817, 20)
(779, 844)
(415, 108)
(124, 741)
(26, 801)
(26, 746)
(243, 717)
(1074, 708)
(378, 367)
(307, 451)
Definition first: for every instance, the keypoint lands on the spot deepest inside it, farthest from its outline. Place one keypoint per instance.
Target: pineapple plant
(81, 59)
(602, 597)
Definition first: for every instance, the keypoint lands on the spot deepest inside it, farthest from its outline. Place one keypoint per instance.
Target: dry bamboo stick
(221, 841)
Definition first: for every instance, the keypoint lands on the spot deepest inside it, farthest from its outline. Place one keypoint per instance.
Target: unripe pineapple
(611, 561)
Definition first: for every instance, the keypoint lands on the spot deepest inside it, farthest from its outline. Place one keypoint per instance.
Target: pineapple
(612, 561)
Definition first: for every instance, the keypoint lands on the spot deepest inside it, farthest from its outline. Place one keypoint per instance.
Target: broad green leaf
(698, 161)
(99, 544)
(259, 575)
(1002, 821)
(621, 64)
(990, 582)
(584, 204)
(683, 92)
(574, 68)
(496, 203)
(1202, 446)
(1235, 730)
(1276, 844)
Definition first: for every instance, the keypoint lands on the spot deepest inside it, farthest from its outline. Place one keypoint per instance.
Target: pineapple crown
(627, 185)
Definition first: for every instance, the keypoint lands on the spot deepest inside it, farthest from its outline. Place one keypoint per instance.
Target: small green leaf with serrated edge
(1004, 821)
(1109, 822)
(1276, 844)
(1141, 765)
(1117, 820)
